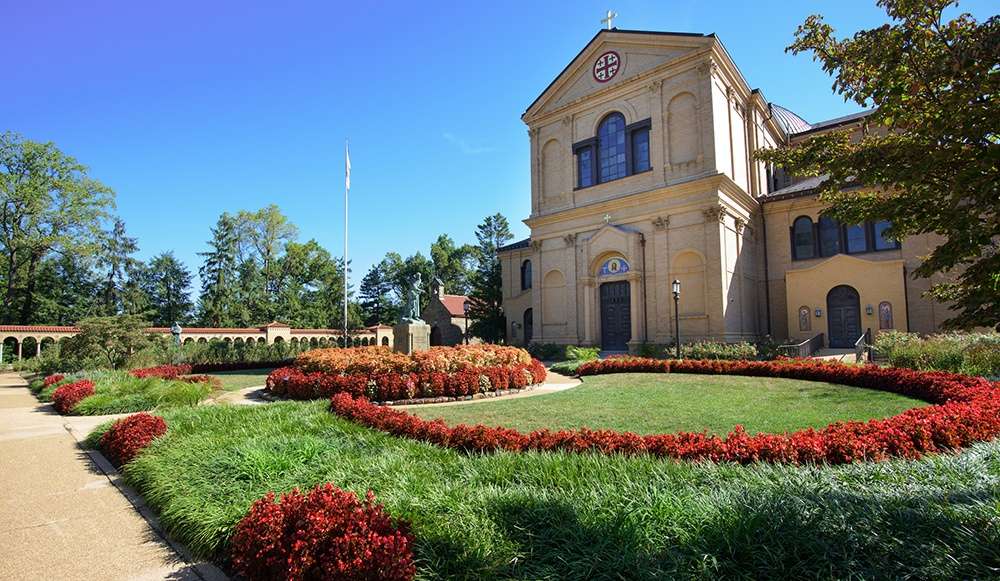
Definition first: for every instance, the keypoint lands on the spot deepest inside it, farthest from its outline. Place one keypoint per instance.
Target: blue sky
(188, 109)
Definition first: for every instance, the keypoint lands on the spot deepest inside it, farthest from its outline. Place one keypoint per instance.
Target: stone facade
(598, 266)
(446, 315)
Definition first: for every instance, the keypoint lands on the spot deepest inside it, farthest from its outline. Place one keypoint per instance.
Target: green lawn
(584, 516)
(651, 403)
(235, 380)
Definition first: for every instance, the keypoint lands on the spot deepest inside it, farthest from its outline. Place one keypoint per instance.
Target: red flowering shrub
(326, 534)
(383, 385)
(966, 410)
(162, 371)
(128, 436)
(52, 380)
(66, 397)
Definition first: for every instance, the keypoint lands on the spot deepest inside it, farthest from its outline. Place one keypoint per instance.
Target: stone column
(20, 344)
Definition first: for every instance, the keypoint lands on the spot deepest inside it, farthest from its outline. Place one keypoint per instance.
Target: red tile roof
(36, 329)
(455, 304)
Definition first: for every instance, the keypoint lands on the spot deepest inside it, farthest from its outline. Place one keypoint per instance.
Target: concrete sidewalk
(62, 516)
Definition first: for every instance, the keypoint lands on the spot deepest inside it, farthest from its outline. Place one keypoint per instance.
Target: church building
(643, 173)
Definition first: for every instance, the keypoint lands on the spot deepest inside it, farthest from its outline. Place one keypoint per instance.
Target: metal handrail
(803, 349)
(863, 347)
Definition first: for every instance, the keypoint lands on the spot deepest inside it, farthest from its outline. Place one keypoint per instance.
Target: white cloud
(464, 145)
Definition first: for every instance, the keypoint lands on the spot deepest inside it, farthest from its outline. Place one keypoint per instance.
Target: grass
(236, 380)
(566, 516)
(117, 392)
(651, 403)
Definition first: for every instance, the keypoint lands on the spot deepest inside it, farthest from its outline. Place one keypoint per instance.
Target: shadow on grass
(756, 535)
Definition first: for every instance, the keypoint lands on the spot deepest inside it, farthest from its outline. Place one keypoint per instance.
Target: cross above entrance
(611, 16)
(607, 218)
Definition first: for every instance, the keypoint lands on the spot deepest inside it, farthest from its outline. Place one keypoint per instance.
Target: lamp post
(465, 332)
(677, 316)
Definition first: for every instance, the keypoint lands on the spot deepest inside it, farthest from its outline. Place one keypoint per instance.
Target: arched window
(803, 244)
(617, 151)
(526, 275)
(611, 148)
(829, 236)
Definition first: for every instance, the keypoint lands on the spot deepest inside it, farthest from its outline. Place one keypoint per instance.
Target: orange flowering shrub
(354, 361)
(383, 375)
(382, 360)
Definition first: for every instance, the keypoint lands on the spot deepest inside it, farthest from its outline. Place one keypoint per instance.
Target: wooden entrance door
(616, 316)
(843, 308)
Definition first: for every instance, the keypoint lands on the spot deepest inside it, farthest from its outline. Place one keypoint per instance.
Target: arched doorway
(843, 310)
(435, 336)
(529, 325)
(616, 316)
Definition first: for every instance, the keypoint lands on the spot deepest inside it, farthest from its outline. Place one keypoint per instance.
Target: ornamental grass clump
(327, 533)
(128, 436)
(66, 397)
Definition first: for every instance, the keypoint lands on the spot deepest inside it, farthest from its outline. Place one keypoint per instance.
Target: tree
(71, 289)
(169, 287)
(114, 338)
(48, 204)
(376, 298)
(263, 236)
(400, 272)
(486, 299)
(116, 259)
(932, 153)
(452, 264)
(217, 303)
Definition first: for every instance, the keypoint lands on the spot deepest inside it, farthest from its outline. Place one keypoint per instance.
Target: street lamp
(677, 316)
(465, 309)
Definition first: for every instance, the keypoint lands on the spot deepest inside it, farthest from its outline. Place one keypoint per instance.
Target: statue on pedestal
(411, 306)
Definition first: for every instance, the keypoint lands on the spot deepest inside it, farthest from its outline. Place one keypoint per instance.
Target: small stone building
(446, 315)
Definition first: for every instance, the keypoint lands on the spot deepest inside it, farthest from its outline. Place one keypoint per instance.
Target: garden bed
(565, 515)
(115, 392)
(379, 374)
(966, 410)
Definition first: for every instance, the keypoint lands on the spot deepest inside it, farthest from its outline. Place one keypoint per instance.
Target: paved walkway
(841, 355)
(63, 514)
(553, 382)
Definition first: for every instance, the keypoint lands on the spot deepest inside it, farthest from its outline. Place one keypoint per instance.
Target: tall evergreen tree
(169, 288)
(116, 260)
(486, 299)
(217, 303)
(376, 297)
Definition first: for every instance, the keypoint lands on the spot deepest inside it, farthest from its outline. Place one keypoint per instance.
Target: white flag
(347, 162)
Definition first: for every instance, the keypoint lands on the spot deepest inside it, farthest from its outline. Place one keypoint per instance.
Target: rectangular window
(585, 167)
(856, 239)
(640, 150)
(881, 242)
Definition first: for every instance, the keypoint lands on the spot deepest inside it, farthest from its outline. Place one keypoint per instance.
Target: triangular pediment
(634, 53)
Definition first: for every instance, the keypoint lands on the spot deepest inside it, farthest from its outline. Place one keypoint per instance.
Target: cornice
(602, 207)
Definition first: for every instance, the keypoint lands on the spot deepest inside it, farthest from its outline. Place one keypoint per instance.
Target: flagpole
(347, 191)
